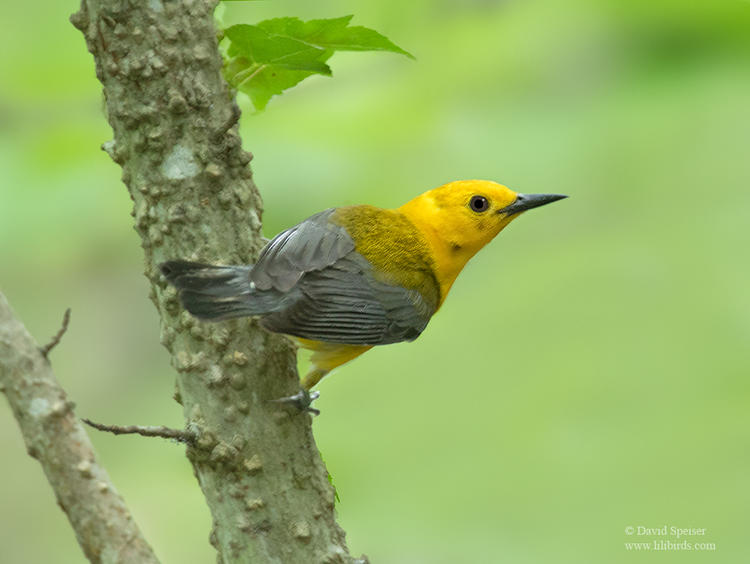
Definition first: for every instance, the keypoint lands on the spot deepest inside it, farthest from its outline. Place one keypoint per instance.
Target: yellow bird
(347, 279)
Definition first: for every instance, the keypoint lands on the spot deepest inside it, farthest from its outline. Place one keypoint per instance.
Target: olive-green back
(395, 248)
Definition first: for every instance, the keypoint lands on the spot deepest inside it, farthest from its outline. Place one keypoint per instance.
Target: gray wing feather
(329, 291)
(309, 246)
(344, 303)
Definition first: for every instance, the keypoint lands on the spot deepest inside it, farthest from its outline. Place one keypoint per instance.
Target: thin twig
(180, 435)
(45, 350)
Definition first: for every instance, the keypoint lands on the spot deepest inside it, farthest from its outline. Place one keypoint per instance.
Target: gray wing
(343, 303)
(329, 291)
(311, 245)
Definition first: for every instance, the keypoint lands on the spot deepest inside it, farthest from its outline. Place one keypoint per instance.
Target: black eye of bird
(479, 204)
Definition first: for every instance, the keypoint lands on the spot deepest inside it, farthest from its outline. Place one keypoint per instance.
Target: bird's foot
(302, 401)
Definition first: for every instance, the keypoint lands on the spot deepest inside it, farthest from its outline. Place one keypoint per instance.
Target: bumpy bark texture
(175, 135)
(102, 523)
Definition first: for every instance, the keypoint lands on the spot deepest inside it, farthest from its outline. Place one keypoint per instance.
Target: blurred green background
(589, 371)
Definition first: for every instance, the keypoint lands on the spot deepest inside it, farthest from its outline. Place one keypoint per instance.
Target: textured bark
(175, 136)
(102, 524)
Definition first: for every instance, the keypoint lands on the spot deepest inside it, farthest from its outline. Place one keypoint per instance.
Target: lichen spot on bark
(179, 164)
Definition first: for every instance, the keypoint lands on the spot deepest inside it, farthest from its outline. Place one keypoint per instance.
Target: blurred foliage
(589, 371)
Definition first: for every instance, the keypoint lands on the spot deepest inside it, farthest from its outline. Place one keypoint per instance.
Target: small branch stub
(45, 350)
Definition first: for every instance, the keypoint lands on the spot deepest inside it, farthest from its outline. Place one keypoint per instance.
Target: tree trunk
(175, 136)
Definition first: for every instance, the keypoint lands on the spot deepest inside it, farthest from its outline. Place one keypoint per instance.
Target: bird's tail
(213, 292)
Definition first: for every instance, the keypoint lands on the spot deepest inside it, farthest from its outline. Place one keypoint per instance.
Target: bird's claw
(302, 401)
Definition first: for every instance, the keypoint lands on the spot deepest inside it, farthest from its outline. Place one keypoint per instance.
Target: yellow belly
(327, 356)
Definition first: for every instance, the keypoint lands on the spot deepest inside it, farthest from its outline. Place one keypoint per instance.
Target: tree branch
(175, 136)
(180, 435)
(101, 521)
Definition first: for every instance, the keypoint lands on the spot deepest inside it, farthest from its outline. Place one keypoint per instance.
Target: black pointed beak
(528, 201)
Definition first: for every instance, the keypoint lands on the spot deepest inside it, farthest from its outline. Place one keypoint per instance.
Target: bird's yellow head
(461, 217)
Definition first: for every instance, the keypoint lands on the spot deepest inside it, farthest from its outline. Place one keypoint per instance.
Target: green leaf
(263, 48)
(271, 82)
(333, 33)
(265, 59)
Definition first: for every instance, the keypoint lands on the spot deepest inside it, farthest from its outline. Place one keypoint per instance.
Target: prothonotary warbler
(347, 279)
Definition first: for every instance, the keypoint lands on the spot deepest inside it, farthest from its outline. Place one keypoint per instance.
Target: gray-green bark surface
(175, 136)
